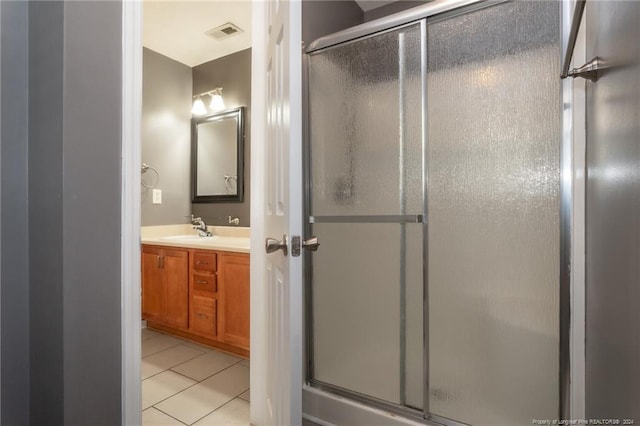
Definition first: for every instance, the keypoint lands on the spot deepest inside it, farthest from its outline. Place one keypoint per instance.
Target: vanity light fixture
(198, 107)
(216, 104)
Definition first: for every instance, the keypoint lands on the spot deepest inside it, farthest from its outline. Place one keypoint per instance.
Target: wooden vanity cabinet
(234, 298)
(165, 286)
(201, 295)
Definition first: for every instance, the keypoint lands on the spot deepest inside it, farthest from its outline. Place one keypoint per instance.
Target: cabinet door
(152, 284)
(176, 288)
(233, 290)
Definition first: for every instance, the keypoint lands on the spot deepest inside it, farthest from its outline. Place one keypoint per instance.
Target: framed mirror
(217, 153)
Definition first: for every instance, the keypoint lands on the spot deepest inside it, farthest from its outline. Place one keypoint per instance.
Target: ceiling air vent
(224, 31)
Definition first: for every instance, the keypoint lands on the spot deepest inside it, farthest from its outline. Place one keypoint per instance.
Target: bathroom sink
(184, 237)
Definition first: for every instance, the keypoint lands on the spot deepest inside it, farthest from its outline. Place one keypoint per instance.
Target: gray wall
(14, 266)
(321, 17)
(613, 214)
(61, 269)
(166, 138)
(233, 74)
(91, 212)
(392, 8)
(46, 62)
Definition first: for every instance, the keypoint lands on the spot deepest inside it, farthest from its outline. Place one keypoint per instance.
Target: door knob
(311, 244)
(272, 245)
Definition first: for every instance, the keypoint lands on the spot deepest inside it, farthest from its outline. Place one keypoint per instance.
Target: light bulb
(198, 108)
(217, 103)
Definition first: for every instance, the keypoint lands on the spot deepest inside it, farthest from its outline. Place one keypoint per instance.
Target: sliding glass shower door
(494, 214)
(366, 207)
(434, 156)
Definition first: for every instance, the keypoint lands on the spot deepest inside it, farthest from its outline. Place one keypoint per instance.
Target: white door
(276, 205)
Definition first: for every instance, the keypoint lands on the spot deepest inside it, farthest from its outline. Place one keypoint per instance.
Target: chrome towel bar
(368, 219)
(588, 71)
(573, 35)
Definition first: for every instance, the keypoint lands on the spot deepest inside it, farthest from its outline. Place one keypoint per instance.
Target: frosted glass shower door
(366, 207)
(493, 208)
(434, 165)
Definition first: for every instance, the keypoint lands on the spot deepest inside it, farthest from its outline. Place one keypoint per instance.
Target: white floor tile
(157, 344)
(153, 417)
(201, 399)
(235, 413)
(146, 337)
(245, 396)
(198, 346)
(158, 362)
(149, 334)
(206, 365)
(162, 386)
(245, 362)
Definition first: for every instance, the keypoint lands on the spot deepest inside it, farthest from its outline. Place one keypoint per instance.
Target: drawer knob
(201, 281)
(203, 316)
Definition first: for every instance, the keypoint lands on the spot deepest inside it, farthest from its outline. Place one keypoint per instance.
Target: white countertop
(225, 238)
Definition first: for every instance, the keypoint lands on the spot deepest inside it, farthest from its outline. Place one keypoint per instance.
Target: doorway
(194, 365)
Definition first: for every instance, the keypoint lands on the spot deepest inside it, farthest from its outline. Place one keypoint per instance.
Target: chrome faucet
(200, 226)
(234, 220)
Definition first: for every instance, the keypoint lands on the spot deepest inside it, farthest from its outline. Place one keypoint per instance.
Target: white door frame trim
(258, 391)
(130, 211)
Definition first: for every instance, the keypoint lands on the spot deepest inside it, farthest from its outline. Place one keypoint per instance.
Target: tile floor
(184, 383)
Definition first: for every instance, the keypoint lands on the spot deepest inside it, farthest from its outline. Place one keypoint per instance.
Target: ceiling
(177, 28)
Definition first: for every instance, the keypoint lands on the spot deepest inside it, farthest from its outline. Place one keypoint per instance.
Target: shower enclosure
(434, 189)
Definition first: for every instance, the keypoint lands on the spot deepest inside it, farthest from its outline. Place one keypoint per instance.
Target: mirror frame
(238, 197)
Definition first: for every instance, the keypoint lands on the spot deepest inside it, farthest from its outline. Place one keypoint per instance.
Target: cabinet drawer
(203, 316)
(203, 281)
(204, 261)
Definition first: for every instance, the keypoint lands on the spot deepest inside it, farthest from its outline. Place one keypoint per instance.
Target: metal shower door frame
(444, 9)
(400, 219)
